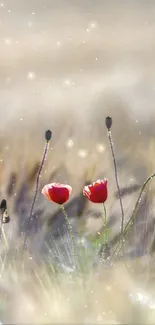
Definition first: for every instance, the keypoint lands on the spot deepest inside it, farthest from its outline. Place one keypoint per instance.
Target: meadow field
(65, 66)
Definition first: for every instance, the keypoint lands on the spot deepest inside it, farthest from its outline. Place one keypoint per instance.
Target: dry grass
(105, 296)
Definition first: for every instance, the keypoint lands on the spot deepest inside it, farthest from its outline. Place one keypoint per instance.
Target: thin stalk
(69, 227)
(116, 178)
(131, 220)
(36, 191)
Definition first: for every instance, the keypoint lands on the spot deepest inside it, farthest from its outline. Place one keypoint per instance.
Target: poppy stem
(131, 220)
(105, 226)
(36, 192)
(69, 227)
(116, 178)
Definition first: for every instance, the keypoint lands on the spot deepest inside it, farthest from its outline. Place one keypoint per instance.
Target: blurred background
(65, 66)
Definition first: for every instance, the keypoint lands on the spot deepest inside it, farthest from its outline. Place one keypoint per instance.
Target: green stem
(70, 232)
(131, 220)
(105, 226)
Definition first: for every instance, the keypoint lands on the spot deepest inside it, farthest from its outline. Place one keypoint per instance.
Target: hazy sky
(70, 55)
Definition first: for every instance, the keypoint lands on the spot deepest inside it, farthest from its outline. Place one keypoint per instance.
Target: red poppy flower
(97, 191)
(58, 193)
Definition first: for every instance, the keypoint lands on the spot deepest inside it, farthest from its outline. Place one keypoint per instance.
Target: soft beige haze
(68, 56)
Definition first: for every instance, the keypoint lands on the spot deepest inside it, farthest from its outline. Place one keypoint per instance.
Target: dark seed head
(48, 135)
(108, 122)
(3, 205)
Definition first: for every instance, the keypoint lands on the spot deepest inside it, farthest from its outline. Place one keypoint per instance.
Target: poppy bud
(48, 135)
(108, 122)
(3, 205)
